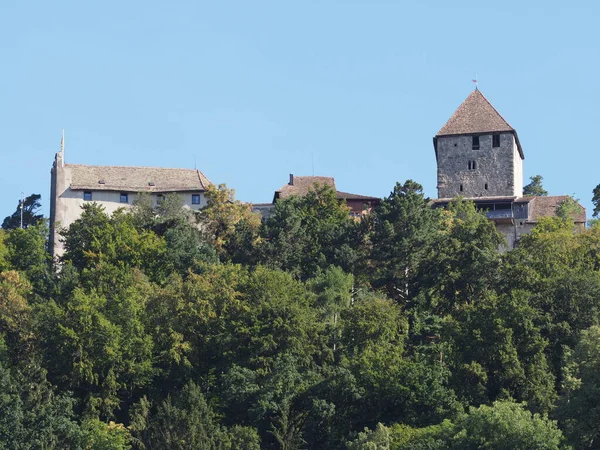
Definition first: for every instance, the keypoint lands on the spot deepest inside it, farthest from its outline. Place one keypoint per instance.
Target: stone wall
(498, 169)
(512, 232)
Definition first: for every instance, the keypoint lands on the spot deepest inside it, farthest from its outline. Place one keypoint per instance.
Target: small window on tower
(461, 188)
(475, 142)
(195, 199)
(486, 186)
(474, 165)
(124, 197)
(495, 140)
(87, 196)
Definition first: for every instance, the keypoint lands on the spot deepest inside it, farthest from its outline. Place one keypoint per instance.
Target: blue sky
(253, 91)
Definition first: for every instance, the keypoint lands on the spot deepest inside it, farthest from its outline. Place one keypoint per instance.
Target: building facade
(114, 187)
(478, 153)
(479, 157)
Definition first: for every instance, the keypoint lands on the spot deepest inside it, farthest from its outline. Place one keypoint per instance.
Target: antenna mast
(22, 202)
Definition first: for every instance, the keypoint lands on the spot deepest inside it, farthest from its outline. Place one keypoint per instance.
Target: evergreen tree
(28, 209)
(535, 187)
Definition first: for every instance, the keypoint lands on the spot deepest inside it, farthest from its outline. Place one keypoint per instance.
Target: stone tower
(58, 184)
(478, 153)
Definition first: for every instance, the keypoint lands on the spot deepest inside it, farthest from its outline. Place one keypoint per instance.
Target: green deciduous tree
(579, 406)
(27, 252)
(462, 262)
(497, 346)
(503, 426)
(378, 439)
(96, 239)
(305, 234)
(16, 327)
(229, 224)
(4, 257)
(185, 421)
(569, 209)
(99, 435)
(32, 415)
(97, 346)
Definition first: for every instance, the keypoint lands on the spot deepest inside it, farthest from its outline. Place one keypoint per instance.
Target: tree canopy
(30, 215)
(535, 187)
(163, 327)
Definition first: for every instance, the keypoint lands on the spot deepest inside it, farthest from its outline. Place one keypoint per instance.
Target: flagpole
(22, 201)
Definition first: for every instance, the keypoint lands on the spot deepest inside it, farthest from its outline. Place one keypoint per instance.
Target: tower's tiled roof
(136, 179)
(477, 115)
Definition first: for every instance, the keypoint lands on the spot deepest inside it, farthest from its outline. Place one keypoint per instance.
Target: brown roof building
(136, 179)
(479, 157)
(113, 187)
(301, 185)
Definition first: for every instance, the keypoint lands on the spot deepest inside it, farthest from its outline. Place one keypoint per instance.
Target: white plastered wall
(69, 202)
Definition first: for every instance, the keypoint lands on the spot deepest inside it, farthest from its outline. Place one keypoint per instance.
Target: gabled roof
(136, 179)
(546, 207)
(301, 185)
(476, 115)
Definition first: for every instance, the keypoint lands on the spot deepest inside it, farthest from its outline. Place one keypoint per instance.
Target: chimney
(291, 179)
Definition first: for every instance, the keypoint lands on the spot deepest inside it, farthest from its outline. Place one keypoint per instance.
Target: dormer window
(495, 140)
(475, 142)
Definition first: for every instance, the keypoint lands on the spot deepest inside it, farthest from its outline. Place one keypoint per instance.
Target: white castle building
(113, 187)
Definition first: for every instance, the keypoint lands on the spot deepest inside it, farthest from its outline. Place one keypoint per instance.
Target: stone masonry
(483, 172)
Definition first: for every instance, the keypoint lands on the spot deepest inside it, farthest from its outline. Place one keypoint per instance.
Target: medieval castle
(478, 154)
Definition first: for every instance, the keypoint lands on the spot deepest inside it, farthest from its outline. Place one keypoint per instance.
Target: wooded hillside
(405, 330)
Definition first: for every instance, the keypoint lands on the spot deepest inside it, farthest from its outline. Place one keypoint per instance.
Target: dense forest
(161, 328)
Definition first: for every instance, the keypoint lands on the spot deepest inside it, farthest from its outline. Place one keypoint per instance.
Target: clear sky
(255, 90)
